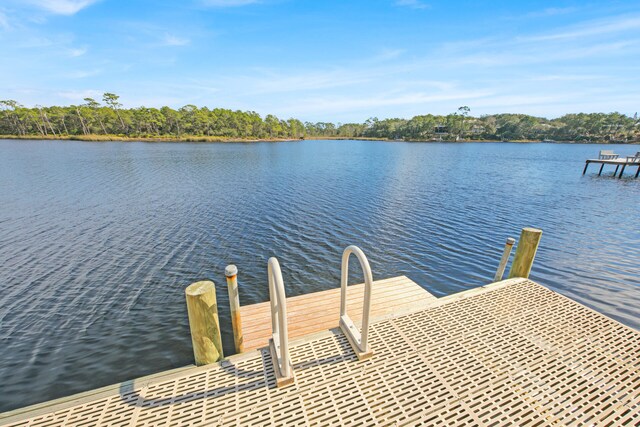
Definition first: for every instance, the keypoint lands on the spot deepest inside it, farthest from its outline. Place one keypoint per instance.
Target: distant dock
(613, 159)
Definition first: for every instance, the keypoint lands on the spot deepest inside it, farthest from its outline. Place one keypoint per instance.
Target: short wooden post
(505, 258)
(234, 303)
(525, 252)
(203, 321)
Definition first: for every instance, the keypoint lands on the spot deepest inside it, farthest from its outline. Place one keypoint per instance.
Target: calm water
(99, 240)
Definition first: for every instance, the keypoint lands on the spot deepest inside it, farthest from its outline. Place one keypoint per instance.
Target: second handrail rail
(279, 344)
(358, 339)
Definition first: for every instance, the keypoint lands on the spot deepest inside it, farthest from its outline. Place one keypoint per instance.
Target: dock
(508, 353)
(618, 162)
(320, 311)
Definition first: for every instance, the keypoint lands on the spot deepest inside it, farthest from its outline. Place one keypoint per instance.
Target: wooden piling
(638, 172)
(203, 321)
(622, 171)
(525, 252)
(505, 258)
(601, 167)
(586, 165)
(615, 171)
(234, 303)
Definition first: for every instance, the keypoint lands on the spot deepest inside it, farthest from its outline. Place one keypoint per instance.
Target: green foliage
(96, 121)
(92, 119)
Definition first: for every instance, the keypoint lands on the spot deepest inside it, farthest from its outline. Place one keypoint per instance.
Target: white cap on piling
(510, 240)
(231, 270)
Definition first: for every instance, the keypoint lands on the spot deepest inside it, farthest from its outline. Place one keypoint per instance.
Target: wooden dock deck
(509, 353)
(617, 162)
(320, 311)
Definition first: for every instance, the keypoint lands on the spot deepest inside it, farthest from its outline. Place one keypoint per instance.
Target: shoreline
(118, 138)
(197, 138)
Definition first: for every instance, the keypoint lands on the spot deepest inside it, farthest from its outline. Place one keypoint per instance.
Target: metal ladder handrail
(279, 330)
(358, 339)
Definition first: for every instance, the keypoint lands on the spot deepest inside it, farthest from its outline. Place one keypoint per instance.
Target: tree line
(109, 118)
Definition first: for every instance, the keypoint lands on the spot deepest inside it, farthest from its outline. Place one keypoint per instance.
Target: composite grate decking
(511, 353)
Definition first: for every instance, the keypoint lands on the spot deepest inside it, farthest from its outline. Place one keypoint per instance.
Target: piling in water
(525, 252)
(203, 321)
(234, 304)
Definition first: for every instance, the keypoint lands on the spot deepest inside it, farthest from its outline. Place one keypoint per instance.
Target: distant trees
(110, 118)
(596, 127)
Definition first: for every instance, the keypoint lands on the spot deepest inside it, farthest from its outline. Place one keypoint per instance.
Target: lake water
(99, 240)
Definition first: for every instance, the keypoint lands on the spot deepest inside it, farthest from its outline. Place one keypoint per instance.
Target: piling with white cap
(231, 271)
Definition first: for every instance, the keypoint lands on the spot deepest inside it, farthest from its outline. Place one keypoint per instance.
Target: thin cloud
(413, 4)
(342, 104)
(552, 11)
(228, 3)
(568, 77)
(4, 21)
(76, 52)
(62, 7)
(171, 40)
(80, 74)
(388, 54)
(594, 28)
(80, 95)
(268, 81)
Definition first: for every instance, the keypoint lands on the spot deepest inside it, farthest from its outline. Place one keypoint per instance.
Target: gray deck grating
(516, 354)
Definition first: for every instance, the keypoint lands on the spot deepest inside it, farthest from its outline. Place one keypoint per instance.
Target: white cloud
(388, 54)
(593, 28)
(228, 3)
(75, 52)
(275, 81)
(364, 104)
(568, 77)
(413, 4)
(553, 11)
(80, 95)
(62, 7)
(82, 74)
(4, 21)
(171, 40)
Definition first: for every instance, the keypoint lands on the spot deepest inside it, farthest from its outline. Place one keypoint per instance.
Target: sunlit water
(99, 240)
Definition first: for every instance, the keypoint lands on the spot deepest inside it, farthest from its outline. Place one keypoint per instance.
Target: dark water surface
(99, 240)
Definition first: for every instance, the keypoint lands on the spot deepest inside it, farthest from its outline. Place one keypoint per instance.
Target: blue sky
(323, 60)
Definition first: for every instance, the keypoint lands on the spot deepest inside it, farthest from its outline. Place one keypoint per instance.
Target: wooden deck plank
(320, 311)
(385, 297)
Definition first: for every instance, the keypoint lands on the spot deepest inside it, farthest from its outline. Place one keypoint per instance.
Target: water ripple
(99, 240)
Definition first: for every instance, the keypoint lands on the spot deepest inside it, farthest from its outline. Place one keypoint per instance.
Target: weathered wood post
(203, 321)
(234, 303)
(505, 257)
(622, 170)
(525, 252)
